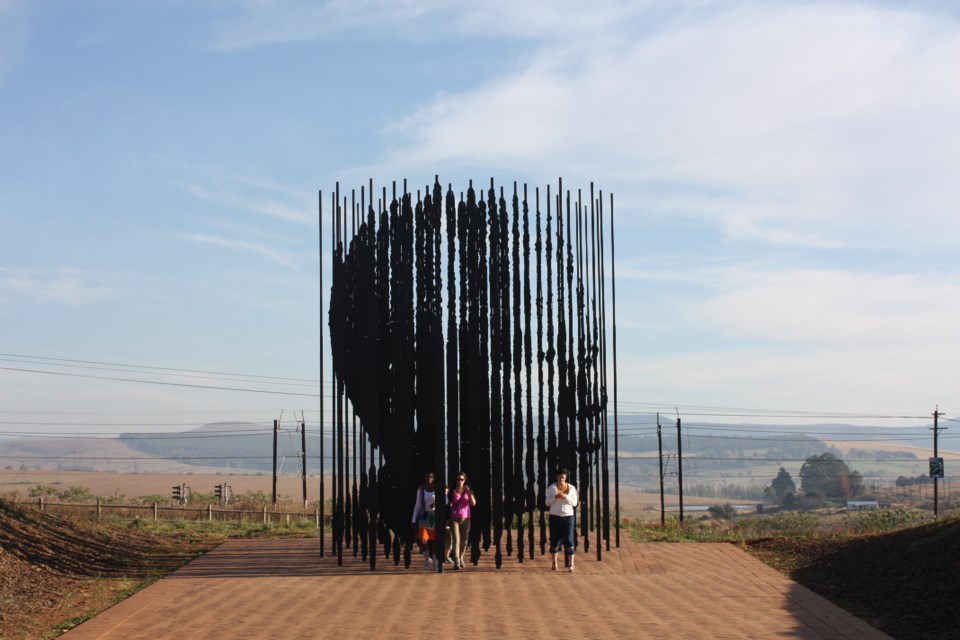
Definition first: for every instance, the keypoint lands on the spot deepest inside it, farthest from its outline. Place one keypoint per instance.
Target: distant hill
(81, 454)
(713, 453)
(231, 445)
(738, 460)
(237, 446)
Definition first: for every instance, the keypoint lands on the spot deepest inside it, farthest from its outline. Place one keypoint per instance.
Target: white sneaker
(426, 561)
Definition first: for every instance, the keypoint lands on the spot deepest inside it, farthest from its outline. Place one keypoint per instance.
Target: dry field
(634, 503)
(95, 454)
(134, 485)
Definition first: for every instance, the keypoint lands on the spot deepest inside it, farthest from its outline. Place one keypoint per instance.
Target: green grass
(207, 530)
(786, 524)
(70, 623)
(885, 520)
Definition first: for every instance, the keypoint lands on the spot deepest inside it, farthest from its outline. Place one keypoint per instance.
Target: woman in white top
(562, 500)
(424, 518)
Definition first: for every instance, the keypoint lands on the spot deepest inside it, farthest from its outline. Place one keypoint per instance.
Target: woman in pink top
(461, 499)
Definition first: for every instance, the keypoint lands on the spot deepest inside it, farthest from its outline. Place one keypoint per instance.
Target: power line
(159, 382)
(134, 367)
(85, 456)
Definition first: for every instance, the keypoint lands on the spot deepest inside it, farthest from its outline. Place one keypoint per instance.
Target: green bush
(70, 494)
(879, 520)
(41, 491)
(723, 511)
(784, 523)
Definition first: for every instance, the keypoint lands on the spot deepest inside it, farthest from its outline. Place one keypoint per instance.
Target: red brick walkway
(284, 589)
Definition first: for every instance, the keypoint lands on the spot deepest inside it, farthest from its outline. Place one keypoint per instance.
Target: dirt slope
(53, 570)
(905, 583)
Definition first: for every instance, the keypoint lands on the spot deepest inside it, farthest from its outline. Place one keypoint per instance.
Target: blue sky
(785, 177)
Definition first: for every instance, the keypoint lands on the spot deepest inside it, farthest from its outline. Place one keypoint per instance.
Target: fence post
(154, 511)
(264, 515)
(40, 505)
(98, 509)
(316, 513)
(209, 513)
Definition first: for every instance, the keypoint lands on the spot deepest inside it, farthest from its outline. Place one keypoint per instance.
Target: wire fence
(156, 512)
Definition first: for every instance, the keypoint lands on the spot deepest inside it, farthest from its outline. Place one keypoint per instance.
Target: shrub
(41, 491)
(76, 494)
(884, 520)
(784, 523)
(723, 511)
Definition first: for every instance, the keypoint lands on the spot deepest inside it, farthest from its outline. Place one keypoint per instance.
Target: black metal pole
(616, 432)
(663, 511)
(680, 466)
(323, 506)
(303, 458)
(276, 429)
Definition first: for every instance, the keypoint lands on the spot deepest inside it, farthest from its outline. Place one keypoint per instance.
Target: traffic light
(218, 492)
(178, 493)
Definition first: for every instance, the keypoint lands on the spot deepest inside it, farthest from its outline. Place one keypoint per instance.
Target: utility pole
(936, 477)
(680, 465)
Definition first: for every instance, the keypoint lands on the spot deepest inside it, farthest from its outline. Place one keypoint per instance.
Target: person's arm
(418, 506)
(473, 498)
(573, 498)
(551, 495)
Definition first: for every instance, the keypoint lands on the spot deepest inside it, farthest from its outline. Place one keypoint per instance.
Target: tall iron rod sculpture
(323, 508)
(409, 395)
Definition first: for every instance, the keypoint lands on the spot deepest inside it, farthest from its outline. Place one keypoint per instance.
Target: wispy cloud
(13, 33)
(254, 23)
(263, 197)
(281, 257)
(260, 204)
(66, 284)
(251, 23)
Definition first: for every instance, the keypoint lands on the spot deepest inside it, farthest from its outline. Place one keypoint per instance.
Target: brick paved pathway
(283, 589)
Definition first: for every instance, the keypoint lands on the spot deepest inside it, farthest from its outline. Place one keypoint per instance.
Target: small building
(860, 505)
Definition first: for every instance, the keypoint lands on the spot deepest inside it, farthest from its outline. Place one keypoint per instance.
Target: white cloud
(887, 381)
(834, 309)
(819, 124)
(794, 339)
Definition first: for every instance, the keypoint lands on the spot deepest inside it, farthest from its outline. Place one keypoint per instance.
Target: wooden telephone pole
(936, 456)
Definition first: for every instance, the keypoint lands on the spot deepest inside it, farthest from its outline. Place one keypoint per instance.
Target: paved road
(283, 589)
